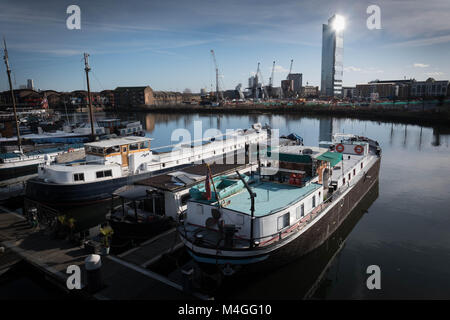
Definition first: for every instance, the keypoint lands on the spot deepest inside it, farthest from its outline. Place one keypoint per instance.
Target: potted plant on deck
(107, 233)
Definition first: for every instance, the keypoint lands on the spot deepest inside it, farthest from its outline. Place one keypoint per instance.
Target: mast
(8, 71)
(91, 115)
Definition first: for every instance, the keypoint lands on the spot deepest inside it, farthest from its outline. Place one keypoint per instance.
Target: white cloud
(434, 74)
(279, 69)
(369, 70)
(421, 65)
(351, 68)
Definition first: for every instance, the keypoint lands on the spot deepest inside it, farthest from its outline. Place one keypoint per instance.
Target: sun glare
(339, 23)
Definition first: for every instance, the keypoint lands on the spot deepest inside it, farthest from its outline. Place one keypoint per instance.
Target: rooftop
(270, 196)
(117, 141)
(189, 176)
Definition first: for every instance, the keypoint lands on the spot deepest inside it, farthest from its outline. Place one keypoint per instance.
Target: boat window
(113, 149)
(134, 146)
(106, 173)
(283, 221)
(354, 172)
(349, 176)
(144, 145)
(314, 201)
(78, 177)
(343, 180)
(300, 211)
(361, 165)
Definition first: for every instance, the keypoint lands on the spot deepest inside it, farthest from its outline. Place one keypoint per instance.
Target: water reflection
(407, 222)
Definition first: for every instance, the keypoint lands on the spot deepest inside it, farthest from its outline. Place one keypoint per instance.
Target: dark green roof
(289, 157)
(332, 157)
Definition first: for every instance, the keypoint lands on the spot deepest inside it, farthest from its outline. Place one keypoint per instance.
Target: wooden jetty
(124, 276)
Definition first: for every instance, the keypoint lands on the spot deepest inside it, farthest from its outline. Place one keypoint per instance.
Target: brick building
(133, 96)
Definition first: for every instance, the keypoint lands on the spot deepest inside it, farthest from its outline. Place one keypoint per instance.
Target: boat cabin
(172, 189)
(118, 151)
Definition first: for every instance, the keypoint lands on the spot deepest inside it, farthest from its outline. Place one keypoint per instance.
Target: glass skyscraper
(332, 59)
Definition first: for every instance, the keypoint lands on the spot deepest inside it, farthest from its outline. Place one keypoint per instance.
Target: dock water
(124, 277)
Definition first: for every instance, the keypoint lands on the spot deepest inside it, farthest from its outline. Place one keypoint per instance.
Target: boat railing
(235, 133)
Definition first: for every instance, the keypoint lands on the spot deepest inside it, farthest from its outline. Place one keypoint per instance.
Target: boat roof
(332, 157)
(133, 192)
(187, 177)
(117, 141)
(297, 149)
(270, 197)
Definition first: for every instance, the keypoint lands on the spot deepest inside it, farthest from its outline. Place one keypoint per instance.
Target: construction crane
(290, 69)
(271, 80)
(217, 77)
(287, 78)
(263, 87)
(271, 76)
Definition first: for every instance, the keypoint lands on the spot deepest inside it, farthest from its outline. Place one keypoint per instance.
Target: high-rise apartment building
(332, 57)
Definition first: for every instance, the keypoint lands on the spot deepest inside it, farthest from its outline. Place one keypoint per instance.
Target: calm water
(402, 225)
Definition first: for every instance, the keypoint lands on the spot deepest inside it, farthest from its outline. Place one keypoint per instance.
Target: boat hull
(74, 195)
(285, 251)
(19, 171)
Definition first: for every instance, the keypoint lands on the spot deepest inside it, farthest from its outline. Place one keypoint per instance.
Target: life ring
(340, 147)
(359, 149)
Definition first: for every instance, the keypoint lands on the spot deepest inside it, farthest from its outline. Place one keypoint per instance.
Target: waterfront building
(30, 84)
(310, 91)
(348, 92)
(332, 57)
(430, 88)
(133, 96)
(297, 79)
(384, 90)
(287, 86)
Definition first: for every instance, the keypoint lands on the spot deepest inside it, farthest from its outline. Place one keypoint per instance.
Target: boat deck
(270, 196)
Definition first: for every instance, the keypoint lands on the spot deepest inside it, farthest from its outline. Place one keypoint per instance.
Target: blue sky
(166, 44)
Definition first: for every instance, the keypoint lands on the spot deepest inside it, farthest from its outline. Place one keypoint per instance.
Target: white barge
(113, 163)
(288, 210)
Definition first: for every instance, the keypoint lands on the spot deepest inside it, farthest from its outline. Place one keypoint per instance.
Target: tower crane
(290, 69)
(263, 87)
(217, 77)
(271, 80)
(271, 76)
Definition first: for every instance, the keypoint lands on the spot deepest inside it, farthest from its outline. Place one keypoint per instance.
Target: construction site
(258, 91)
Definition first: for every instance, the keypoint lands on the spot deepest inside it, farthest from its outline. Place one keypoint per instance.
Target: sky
(166, 44)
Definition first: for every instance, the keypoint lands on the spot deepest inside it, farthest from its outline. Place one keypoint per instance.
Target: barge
(113, 163)
(289, 208)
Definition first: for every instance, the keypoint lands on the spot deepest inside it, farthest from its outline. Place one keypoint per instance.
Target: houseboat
(155, 203)
(113, 163)
(19, 166)
(297, 199)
